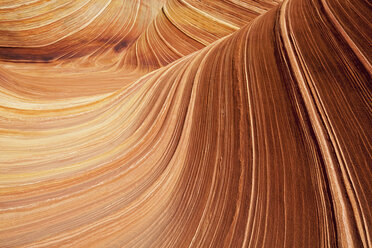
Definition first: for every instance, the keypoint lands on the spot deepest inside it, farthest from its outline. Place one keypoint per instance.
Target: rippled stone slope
(185, 123)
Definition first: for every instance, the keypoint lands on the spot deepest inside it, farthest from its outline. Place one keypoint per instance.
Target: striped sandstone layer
(209, 128)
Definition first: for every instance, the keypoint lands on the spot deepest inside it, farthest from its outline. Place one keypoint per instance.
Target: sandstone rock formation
(185, 123)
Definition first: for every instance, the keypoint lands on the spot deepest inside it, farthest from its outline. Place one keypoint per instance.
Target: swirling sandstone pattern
(185, 123)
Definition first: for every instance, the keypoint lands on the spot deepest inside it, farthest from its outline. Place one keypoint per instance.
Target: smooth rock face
(185, 123)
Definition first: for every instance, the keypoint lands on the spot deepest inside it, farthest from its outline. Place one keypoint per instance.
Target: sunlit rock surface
(185, 123)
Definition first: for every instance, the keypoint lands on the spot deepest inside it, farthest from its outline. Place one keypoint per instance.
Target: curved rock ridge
(114, 45)
(186, 26)
(44, 31)
(213, 128)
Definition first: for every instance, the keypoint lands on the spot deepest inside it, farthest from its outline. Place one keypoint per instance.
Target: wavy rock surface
(185, 124)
